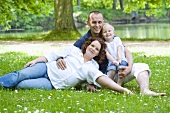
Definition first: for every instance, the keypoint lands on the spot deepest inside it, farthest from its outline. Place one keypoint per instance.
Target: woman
(82, 65)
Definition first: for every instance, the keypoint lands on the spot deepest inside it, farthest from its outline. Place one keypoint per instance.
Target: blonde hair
(107, 25)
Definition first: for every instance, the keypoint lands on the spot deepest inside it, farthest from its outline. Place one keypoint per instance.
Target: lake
(149, 30)
(142, 31)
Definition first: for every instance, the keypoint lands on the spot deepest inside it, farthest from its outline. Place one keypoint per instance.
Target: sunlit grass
(13, 57)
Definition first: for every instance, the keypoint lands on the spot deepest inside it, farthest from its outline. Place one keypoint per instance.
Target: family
(98, 59)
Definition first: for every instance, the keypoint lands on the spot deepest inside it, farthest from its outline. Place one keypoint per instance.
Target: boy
(114, 52)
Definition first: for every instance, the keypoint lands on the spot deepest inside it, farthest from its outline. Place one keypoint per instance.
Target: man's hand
(90, 87)
(61, 64)
(124, 70)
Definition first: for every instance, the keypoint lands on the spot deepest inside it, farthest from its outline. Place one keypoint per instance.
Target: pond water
(142, 31)
(149, 30)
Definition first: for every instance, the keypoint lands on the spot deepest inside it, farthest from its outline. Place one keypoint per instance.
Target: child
(114, 52)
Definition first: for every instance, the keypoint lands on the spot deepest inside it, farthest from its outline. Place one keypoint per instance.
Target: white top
(112, 48)
(76, 72)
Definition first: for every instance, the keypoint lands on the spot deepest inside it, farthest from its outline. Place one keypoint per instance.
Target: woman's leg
(40, 83)
(12, 79)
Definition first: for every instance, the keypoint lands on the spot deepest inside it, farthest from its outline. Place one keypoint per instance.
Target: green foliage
(12, 10)
(104, 4)
(70, 101)
(109, 14)
(155, 7)
(39, 14)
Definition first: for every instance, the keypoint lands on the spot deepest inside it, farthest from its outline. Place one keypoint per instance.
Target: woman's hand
(90, 87)
(31, 63)
(61, 64)
(127, 91)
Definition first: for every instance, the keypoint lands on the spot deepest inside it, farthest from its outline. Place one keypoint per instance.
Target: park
(16, 49)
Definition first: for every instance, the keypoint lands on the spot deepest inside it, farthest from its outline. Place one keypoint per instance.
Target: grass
(13, 57)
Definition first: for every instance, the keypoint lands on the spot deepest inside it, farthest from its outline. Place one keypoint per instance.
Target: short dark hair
(93, 12)
(102, 52)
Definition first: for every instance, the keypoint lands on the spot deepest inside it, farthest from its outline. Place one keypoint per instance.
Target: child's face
(107, 33)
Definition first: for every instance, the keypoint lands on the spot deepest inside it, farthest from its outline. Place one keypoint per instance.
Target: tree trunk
(78, 2)
(64, 15)
(65, 28)
(114, 4)
(121, 4)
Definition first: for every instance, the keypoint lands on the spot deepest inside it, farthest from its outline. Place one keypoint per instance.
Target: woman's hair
(102, 52)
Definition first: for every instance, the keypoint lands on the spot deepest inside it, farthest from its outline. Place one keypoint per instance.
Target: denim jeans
(30, 77)
(112, 66)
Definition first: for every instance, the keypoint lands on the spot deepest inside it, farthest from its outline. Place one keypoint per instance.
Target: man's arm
(126, 70)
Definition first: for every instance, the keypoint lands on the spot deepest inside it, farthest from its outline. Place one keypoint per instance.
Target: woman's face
(93, 49)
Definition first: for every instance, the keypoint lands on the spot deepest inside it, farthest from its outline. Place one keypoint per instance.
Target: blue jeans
(30, 77)
(112, 66)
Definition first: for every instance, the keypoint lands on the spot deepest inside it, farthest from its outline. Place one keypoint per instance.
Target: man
(140, 71)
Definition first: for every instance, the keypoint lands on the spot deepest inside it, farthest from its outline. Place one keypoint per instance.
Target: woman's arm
(33, 62)
(105, 81)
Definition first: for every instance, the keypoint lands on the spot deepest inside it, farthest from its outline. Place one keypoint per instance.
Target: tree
(64, 15)
(64, 22)
(121, 4)
(78, 2)
(156, 7)
(114, 4)
(13, 9)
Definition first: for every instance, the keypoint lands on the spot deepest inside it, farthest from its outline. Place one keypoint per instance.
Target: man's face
(95, 23)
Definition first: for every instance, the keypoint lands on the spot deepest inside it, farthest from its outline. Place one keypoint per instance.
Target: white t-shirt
(112, 48)
(76, 72)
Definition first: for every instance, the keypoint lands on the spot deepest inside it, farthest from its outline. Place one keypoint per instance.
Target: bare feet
(151, 93)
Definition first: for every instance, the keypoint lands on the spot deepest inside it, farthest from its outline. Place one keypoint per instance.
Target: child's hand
(116, 63)
(31, 63)
(119, 61)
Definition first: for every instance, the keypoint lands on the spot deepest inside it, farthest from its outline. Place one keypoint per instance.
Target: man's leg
(141, 72)
(143, 81)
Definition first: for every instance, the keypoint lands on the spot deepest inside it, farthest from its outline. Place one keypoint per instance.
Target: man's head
(95, 22)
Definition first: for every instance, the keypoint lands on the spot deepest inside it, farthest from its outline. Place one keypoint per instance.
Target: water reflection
(152, 30)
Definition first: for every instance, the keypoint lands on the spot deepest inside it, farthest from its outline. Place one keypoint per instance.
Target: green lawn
(13, 57)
